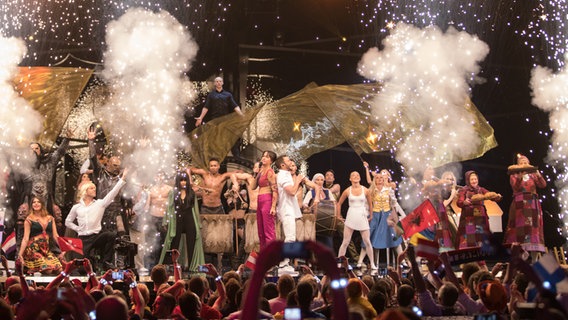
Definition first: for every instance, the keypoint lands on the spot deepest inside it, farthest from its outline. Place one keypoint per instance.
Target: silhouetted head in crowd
(111, 308)
(190, 304)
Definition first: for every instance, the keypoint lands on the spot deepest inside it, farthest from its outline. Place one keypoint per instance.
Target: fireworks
(426, 76)
(147, 56)
(540, 25)
(54, 28)
(19, 122)
(549, 94)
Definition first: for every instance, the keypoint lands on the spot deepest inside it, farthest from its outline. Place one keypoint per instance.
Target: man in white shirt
(288, 209)
(89, 214)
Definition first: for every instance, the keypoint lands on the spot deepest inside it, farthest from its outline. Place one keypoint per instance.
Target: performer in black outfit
(183, 205)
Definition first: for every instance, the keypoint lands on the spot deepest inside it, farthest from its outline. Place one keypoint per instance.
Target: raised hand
(91, 133)
(175, 255)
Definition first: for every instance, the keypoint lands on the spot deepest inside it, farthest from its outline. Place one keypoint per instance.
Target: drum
(252, 243)
(217, 233)
(305, 228)
(326, 220)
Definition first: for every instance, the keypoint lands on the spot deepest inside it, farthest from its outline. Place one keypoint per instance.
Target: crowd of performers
(277, 194)
(157, 217)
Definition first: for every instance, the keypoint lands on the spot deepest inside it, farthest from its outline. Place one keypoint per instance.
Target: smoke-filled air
(145, 62)
(426, 76)
(549, 94)
(19, 122)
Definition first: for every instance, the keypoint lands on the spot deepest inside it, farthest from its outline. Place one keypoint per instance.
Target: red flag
(419, 219)
(251, 260)
(427, 249)
(70, 244)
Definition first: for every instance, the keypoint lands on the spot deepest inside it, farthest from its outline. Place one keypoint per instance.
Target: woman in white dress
(358, 215)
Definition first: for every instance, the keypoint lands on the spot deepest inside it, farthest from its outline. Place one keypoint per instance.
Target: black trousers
(185, 224)
(103, 242)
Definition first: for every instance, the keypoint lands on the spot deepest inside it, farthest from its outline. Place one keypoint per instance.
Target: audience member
(285, 285)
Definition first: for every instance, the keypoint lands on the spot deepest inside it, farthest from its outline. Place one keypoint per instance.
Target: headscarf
(318, 175)
(467, 175)
(522, 156)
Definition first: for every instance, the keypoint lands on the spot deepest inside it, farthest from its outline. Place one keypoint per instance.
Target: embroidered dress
(37, 256)
(474, 223)
(525, 224)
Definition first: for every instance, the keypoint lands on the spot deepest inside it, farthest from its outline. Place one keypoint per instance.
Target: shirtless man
(211, 192)
(212, 187)
(157, 200)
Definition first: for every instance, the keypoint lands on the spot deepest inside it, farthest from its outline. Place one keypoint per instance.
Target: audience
(64, 298)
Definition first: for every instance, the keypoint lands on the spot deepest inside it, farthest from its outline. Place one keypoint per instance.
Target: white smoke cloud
(550, 94)
(19, 122)
(146, 57)
(426, 74)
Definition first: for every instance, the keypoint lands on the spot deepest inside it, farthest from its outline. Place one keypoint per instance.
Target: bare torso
(159, 199)
(213, 183)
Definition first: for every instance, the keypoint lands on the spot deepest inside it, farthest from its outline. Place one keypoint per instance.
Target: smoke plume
(426, 76)
(146, 57)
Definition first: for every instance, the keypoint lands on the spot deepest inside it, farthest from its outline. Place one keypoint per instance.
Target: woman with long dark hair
(34, 250)
(265, 180)
(181, 218)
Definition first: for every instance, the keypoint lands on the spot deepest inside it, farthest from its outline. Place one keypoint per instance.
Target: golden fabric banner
(52, 91)
(318, 118)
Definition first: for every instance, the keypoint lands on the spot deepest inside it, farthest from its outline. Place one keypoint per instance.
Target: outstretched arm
(194, 170)
(212, 271)
(199, 120)
(139, 303)
(97, 167)
(367, 173)
(64, 275)
(109, 198)
(23, 283)
(177, 271)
